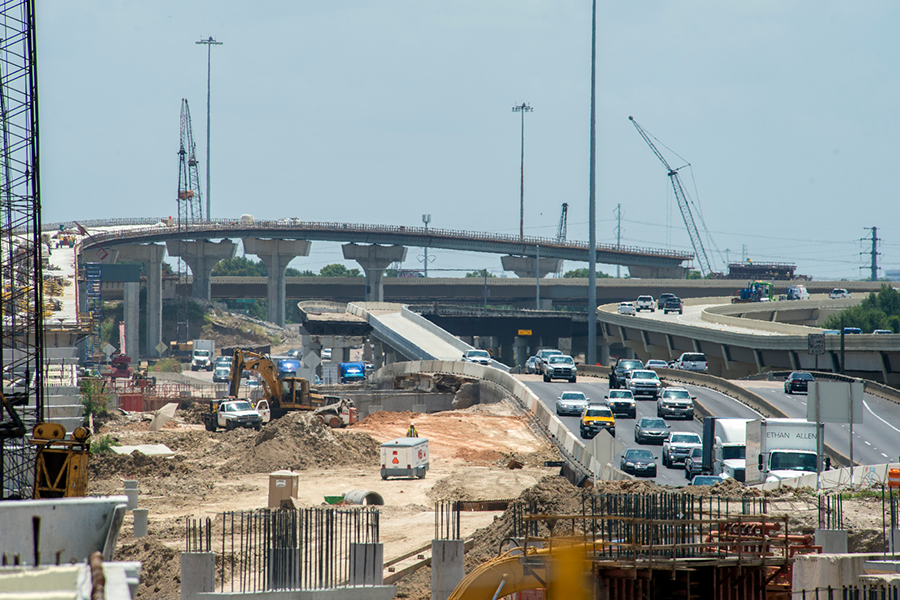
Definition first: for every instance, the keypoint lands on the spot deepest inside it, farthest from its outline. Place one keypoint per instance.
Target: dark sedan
(797, 381)
(638, 461)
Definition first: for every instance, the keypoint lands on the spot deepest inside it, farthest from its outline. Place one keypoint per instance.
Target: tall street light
(591, 357)
(209, 42)
(522, 108)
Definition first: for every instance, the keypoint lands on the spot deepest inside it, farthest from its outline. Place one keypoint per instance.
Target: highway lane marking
(884, 455)
(868, 408)
(867, 442)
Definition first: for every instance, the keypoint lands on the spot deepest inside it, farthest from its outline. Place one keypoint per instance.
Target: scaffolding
(93, 274)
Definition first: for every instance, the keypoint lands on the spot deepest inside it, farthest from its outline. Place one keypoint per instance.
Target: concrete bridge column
(520, 345)
(374, 260)
(603, 354)
(201, 256)
(506, 351)
(151, 255)
(276, 254)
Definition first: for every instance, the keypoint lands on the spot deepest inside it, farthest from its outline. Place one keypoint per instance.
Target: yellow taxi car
(596, 417)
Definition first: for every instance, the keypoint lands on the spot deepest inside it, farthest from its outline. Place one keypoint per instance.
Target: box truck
(404, 457)
(780, 448)
(203, 354)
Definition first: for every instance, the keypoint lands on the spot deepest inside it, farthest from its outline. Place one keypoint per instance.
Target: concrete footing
(140, 522)
(198, 574)
(447, 567)
(833, 541)
(366, 564)
(819, 571)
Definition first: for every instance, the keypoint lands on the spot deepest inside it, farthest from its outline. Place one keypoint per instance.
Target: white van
(692, 361)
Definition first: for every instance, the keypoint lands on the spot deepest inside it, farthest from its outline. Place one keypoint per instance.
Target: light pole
(591, 357)
(426, 219)
(210, 42)
(522, 108)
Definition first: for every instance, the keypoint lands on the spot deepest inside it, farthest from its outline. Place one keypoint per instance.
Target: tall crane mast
(686, 214)
(563, 223)
(189, 203)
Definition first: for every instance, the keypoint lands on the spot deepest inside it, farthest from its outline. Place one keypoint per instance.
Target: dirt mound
(730, 488)
(160, 566)
(298, 441)
(133, 466)
(385, 417)
(193, 412)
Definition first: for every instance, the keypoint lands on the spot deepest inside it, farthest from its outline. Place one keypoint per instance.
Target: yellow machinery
(61, 467)
(562, 570)
(290, 393)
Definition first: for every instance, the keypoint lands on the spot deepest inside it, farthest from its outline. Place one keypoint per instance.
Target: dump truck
(283, 393)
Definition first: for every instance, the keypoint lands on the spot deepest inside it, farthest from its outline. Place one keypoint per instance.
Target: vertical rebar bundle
(22, 320)
(446, 521)
(283, 549)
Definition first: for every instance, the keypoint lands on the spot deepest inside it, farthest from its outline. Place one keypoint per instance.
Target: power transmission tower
(618, 212)
(190, 211)
(873, 252)
(21, 273)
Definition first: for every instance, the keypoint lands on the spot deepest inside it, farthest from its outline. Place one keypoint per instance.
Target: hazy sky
(378, 112)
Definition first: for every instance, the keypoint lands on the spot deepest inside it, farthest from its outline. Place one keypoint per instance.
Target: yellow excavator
(285, 394)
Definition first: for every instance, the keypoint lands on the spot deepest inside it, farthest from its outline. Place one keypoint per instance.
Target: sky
(382, 111)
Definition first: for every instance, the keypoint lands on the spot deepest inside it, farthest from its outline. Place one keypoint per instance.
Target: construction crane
(561, 232)
(189, 204)
(686, 214)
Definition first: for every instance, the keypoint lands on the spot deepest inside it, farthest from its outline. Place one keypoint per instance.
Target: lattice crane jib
(21, 268)
(189, 201)
(563, 223)
(683, 204)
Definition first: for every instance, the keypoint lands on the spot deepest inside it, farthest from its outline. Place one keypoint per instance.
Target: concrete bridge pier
(520, 347)
(201, 256)
(151, 255)
(276, 254)
(524, 266)
(374, 260)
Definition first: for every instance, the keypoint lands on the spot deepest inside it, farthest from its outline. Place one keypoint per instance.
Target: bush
(103, 444)
(95, 398)
(168, 365)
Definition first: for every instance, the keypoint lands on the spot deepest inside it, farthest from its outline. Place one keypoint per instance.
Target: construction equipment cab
(284, 394)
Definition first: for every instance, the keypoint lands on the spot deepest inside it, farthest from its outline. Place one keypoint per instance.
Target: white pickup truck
(231, 414)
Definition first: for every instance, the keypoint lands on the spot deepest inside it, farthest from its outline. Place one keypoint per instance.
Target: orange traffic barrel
(894, 478)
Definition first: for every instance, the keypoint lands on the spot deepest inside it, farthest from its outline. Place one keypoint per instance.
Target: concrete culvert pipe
(363, 497)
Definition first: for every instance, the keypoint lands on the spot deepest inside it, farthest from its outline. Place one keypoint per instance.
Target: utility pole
(209, 42)
(874, 253)
(522, 108)
(618, 212)
(591, 357)
(537, 278)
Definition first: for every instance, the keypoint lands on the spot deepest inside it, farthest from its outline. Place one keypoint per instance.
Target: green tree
(877, 311)
(292, 272)
(480, 274)
(338, 270)
(240, 266)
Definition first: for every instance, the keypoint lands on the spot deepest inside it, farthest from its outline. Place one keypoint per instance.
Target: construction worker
(412, 432)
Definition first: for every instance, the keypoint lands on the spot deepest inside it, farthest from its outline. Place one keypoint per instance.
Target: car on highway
(661, 301)
(480, 357)
(706, 480)
(571, 403)
(543, 354)
(294, 353)
(326, 353)
(531, 366)
(675, 402)
(650, 430)
(223, 361)
(644, 303)
(559, 366)
(692, 361)
(643, 383)
(798, 381)
(638, 461)
(838, 293)
(693, 464)
(621, 402)
(678, 447)
(626, 308)
(882, 331)
(673, 304)
(595, 418)
(221, 374)
(655, 363)
(852, 330)
(622, 366)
